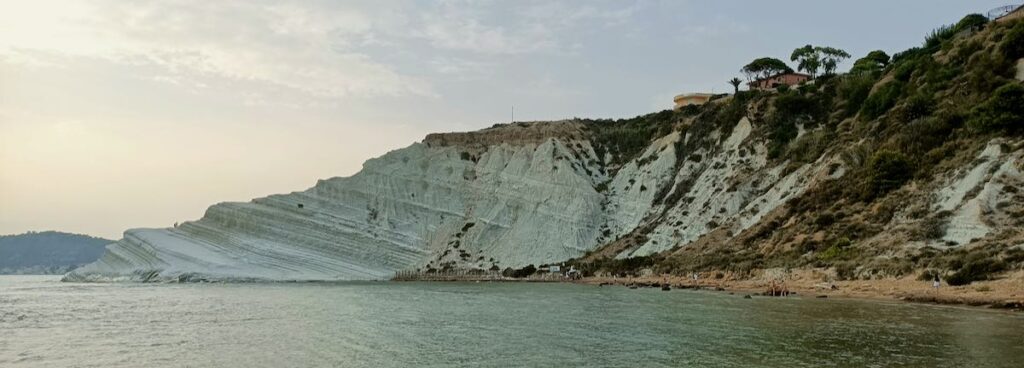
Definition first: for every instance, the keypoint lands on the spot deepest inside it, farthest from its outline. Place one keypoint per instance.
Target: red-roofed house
(789, 79)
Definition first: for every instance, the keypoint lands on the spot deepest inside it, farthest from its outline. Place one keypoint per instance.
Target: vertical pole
(513, 113)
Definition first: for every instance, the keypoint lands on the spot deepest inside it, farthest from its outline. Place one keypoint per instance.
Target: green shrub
(970, 21)
(782, 131)
(934, 40)
(1013, 43)
(927, 275)
(625, 138)
(887, 170)
(917, 106)
(825, 219)
(789, 109)
(977, 268)
(1003, 111)
(855, 89)
(907, 55)
(831, 253)
(519, 273)
(809, 147)
(793, 105)
(882, 100)
(932, 228)
(690, 110)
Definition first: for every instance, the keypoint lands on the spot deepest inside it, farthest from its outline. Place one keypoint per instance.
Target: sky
(118, 114)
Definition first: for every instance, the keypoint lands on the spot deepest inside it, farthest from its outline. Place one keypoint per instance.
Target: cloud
(454, 26)
(305, 50)
(521, 27)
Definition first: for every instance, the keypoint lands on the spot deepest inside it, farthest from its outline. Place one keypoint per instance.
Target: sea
(48, 323)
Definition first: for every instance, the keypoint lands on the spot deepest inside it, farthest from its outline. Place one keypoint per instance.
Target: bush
(782, 131)
(927, 275)
(907, 55)
(971, 21)
(519, 273)
(917, 106)
(976, 268)
(789, 108)
(1013, 42)
(793, 105)
(934, 40)
(855, 89)
(1003, 111)
(887, 170)
(882, 100)
(932, 228)
(838, 250)
(625, 138)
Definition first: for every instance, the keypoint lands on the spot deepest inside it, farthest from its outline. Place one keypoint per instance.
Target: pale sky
(123, 114)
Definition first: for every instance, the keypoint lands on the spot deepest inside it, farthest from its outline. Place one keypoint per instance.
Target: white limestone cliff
(432, 204)
(513, 195)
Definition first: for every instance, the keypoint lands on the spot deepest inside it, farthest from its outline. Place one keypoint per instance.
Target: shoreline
(1004, 293)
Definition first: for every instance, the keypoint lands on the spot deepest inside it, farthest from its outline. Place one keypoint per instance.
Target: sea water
(48, 323)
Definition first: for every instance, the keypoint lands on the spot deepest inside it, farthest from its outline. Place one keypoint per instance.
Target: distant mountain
(48, 252)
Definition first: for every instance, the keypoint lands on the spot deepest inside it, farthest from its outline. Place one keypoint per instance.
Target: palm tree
(735, 82)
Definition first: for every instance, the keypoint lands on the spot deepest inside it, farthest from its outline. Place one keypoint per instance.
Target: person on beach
(936, 282)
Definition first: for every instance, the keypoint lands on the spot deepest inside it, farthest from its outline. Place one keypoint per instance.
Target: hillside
(910, 167)
(48, 252)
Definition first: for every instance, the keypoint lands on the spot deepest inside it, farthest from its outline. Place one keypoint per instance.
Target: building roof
(685, 95)
(773, 76)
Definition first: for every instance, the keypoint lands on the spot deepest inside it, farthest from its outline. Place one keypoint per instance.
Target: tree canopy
(808, 59)
(874, 61)
(830, 58)
(735, 82)
(811, 58)
(764, 67)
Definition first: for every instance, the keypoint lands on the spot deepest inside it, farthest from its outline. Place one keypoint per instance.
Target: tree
(764, 67)
(874, 61)
(808, 58)
(811, 58)
(830, 58)
(735, 82)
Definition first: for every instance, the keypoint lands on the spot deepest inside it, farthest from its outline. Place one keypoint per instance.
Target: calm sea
(46, 323)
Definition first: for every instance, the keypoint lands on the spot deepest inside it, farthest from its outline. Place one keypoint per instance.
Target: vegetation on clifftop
(896, 122)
